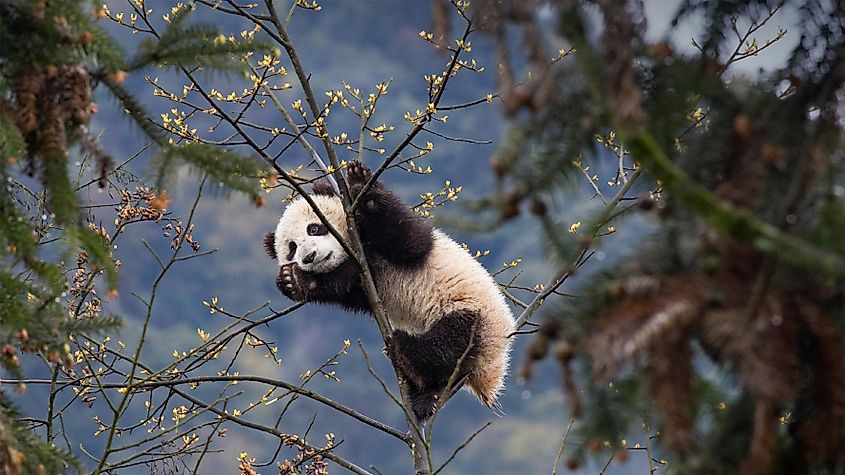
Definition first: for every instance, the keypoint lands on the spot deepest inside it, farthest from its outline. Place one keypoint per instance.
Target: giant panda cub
(443, 305)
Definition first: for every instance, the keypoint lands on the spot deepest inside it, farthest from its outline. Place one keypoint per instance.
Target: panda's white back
(450, 280)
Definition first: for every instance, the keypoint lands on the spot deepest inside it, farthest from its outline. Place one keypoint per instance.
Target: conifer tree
(53, 56)
(746, 269)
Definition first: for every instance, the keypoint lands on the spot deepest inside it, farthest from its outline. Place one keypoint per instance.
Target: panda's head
(301, 237)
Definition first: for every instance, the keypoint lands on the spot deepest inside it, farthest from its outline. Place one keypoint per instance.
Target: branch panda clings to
(438, 298)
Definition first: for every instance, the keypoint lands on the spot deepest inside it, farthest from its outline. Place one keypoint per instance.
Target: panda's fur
(443, 305)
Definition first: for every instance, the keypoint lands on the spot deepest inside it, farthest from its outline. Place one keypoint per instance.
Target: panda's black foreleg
(386, 224)
(341, 286)
(429, 360)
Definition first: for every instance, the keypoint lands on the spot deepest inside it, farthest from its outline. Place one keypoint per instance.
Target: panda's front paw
(357, 175)
(288, 284)
(295, 284)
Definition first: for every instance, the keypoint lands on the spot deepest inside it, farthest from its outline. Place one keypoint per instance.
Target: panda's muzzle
(309, 258)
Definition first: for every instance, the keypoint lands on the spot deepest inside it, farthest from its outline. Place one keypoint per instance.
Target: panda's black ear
(270, 245)
(323, 187)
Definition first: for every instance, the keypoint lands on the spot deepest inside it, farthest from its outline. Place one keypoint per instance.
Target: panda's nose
(309, 258)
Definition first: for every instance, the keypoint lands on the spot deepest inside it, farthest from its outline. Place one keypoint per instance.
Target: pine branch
(235, 171)
(136, 111)
(737, 223)
(12, 144)
(192, 46)
(101, 47)
(22, 452)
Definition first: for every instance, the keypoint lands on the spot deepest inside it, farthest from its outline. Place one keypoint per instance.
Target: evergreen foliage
(47, 78)
(22, 452)
(746, 270)
(238, 172)
(192, 46)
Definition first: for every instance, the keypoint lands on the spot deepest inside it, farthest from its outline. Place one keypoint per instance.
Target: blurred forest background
(701, 332)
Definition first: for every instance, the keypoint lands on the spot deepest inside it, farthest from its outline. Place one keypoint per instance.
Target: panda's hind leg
(430, 360)
(424, 402)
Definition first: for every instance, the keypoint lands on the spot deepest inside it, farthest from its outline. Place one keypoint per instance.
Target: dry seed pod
(28, 88)
(509, 211)
(743, 126)
(563, 351)
(549, 328)
(539, 208)
(538, 348)
(75, 93)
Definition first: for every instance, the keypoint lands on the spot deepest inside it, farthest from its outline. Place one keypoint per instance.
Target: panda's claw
(288, 283)
(296, 284)
(357, 175)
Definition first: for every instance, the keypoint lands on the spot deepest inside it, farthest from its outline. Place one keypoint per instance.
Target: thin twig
(568, 267)
(562, 446)
(461, 447)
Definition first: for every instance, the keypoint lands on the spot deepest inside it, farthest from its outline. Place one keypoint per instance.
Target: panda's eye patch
(317, 230)
(291, 250)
